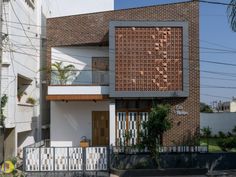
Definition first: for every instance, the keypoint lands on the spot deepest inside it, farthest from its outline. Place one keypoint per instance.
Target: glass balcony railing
(80, 78)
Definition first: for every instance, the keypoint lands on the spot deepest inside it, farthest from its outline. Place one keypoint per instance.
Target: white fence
(51, 159)
(65, 159)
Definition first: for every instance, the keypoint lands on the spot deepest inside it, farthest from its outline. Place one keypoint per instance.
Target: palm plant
(231, 11)
(62, 73)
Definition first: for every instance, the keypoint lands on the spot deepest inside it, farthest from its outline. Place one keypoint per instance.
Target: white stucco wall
(78, 90)
(70, 121)
(72, 7)
(224, 122)
(81, 58)
(112, 122)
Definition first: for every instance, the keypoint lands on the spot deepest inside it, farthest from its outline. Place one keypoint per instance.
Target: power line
(217, 3)
(216, 96)
(21, 24)
(205, 71)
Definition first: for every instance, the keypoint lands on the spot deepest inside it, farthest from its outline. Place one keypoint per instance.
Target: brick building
(123, 62)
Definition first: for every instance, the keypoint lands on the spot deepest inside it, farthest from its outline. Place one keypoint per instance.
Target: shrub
(227, 144)
(206, 132)
(229, 134)
(234, 130)
(31, 100)
(221, 134)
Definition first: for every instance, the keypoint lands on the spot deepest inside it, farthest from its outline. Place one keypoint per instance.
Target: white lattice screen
(130, 123)
(121, 128)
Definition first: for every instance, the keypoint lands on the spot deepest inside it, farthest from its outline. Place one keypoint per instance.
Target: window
(24, 87)
(128, 124)
(100, 68)
(31, 3)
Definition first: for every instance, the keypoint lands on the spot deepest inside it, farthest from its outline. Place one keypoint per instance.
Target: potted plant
(31, 100)
(62, 73)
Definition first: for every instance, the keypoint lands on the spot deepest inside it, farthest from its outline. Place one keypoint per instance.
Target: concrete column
(112, 127)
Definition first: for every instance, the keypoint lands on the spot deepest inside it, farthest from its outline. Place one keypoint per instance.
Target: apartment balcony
(81, 85)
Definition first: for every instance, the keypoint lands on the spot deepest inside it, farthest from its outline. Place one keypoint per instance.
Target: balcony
(79, 85)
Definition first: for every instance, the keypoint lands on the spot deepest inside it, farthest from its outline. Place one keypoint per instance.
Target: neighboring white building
(21, 82)
(228, 106)
(233, 105)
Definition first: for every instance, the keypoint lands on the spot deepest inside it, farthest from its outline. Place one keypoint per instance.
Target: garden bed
(213, 146)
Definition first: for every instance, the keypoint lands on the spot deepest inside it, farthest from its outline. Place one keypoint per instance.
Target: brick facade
(92, 29)
(148, 58)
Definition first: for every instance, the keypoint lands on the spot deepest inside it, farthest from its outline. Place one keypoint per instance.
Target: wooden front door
(100, 131)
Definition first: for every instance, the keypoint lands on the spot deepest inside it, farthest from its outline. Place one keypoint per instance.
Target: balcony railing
(84, 77)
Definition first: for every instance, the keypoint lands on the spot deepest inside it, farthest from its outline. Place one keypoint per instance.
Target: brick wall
(92, 29)
(148, 58)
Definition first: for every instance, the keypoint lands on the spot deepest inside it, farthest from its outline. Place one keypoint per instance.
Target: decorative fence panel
(96, 159)
(31, 159)
(65, 159)
(46, 159)
(61, 159)
(75, 159)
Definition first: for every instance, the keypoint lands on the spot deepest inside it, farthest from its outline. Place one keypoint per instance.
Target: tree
(3, 104)
(205, 108)
(158, 123)
(231, 11)
(62, 73)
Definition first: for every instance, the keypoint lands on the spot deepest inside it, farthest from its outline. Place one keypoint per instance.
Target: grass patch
(213, 147)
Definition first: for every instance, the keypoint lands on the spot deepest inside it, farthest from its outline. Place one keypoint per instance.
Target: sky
(215, 33)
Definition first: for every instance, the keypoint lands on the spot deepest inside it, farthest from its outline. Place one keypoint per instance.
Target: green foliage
(158, 123)
(234, 130)
(221, 134)
(205, 108)
(227, 144)
(231, 11)
(62, 73)
(3, 104)
(31, 100)
(206, 132)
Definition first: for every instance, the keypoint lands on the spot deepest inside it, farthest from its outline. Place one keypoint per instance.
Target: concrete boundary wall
(224, 122)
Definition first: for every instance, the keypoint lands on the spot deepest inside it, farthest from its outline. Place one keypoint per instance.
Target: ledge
(77, 97)
(25, 104)
(78, 90)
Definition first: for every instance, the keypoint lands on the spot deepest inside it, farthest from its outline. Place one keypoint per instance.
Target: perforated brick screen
(149, 58)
